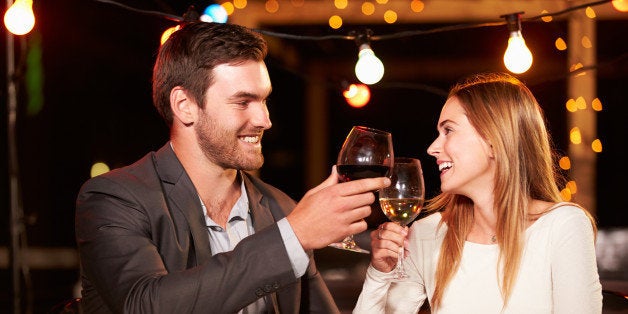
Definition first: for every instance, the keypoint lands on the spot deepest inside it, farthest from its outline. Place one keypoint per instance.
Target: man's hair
(188, 57)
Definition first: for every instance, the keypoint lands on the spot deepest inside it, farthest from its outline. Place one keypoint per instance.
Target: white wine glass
(402, 201)
(365, 153)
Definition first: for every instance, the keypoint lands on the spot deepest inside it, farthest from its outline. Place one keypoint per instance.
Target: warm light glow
(340, 4)
(565, 194)
(564, 163)
(214, 13)
(381, 1)
(620, 5)
(575, 136)
(239, 4)
(586, 42)
(272, 6)
(517, 57)
(98, 169)
(596, 104)
(390, 16)
(166, 34)
(590, 12)
(369, 69)
(560, 44)
(571, 105)
(417, 6)
(357, 95)
(19, 19)
(581, 104)
(335, 22)
(229, 8)
(546, 18)
(368, 8)
(572, 186)
(596, 145)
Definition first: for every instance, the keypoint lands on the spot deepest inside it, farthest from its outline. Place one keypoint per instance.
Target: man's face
(230, 127)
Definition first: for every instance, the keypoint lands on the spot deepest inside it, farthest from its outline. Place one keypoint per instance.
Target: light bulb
(369, 69)
(19, 18)
(517, 57)
(214, 13)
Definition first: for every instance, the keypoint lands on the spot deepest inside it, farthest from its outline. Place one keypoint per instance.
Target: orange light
(621, 5)
(357, 95)
(166, 34)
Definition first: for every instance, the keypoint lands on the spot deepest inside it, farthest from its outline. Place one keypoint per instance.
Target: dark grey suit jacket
(144, 247)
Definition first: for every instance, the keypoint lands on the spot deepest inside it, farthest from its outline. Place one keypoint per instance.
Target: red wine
(355, 172)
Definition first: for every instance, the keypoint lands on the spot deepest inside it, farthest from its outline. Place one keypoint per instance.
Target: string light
(214, 13)
(357, 95)
(620, 5)
(19, 19)
(369, 69)
(517, 57)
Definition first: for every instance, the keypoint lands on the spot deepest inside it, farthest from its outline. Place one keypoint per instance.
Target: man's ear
(184, 109)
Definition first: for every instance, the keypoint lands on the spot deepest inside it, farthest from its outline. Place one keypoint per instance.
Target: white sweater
(558, 272)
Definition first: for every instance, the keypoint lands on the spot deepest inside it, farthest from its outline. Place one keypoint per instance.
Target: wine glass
(402, 201)
(366, 153)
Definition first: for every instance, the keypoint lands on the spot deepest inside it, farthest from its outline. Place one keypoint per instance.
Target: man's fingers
(363, 185)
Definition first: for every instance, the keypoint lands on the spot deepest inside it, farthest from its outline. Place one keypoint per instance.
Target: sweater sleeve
(383, 294)
(575, 281)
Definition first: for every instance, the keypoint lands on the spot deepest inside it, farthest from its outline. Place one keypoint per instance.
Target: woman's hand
(386, 241)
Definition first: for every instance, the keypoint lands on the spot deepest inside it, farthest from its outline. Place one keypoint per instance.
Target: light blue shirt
(239, 226)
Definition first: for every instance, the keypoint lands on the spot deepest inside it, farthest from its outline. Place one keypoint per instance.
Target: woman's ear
(184, 109)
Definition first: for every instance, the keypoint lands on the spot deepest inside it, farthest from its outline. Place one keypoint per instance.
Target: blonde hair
(506, 114)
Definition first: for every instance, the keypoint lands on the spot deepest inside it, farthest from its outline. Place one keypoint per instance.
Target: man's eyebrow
(249, 95)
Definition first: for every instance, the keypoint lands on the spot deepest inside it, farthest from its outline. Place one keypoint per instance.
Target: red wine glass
(365, 153)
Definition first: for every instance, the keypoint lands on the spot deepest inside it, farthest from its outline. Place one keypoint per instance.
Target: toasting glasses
(366, 153)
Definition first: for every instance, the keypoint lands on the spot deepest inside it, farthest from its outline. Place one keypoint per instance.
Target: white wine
(401, 210)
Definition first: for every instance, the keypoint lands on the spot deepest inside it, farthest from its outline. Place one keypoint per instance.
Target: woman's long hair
(506, 114)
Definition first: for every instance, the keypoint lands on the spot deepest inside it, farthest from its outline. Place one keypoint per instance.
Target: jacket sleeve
(121, 260)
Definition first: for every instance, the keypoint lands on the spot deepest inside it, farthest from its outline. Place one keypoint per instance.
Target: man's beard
(223, 147)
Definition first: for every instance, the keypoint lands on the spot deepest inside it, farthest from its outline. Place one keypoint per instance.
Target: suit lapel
(181, 195)
(260, 210)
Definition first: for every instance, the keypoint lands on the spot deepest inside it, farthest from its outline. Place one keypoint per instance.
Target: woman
(500, 240)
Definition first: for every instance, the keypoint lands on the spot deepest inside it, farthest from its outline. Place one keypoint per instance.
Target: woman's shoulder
(428, 227)
(562, 213)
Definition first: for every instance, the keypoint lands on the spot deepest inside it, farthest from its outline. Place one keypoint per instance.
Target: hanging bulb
(369, 69)
(19, 18)
(214, 13)
(357, 95)
(517, 57)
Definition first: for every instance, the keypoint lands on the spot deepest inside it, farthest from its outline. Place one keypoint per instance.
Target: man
(186, 229)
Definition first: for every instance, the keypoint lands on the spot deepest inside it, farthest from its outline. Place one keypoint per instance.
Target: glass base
(349, 244)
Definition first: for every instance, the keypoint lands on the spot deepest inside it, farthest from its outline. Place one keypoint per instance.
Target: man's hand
(332, 210)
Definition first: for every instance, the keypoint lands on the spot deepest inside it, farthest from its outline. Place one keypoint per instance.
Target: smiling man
(186, 229)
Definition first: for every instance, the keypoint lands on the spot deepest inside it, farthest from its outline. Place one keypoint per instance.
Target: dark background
(96, 61)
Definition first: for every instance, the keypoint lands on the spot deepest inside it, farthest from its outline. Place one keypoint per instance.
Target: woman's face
(465, 160)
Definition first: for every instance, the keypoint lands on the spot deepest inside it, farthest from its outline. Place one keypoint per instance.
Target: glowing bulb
(517, 57)
(357, 95)
(369, 69)
(19, 18)
(214, 13)
(620, 5)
